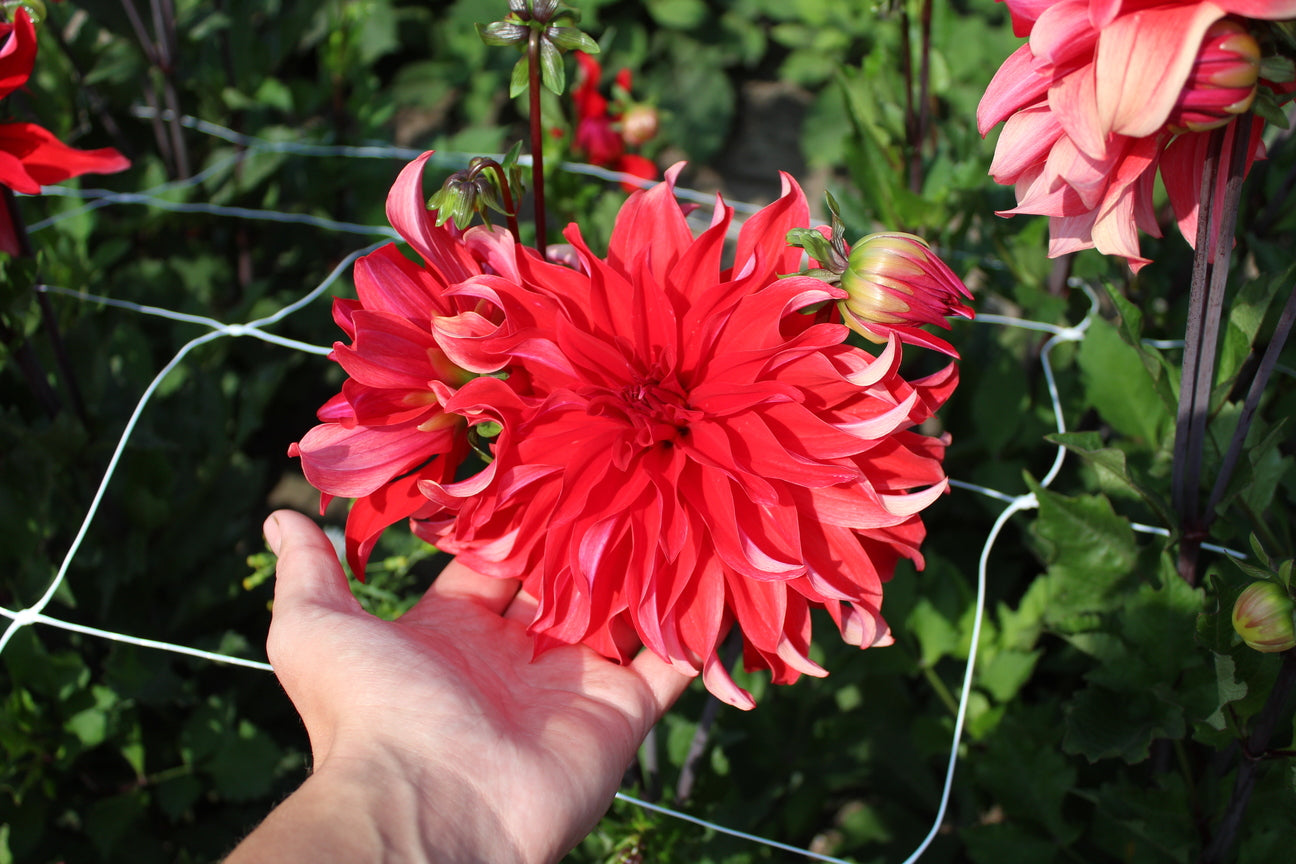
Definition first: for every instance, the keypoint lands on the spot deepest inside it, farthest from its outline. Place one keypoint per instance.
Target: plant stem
(1214, 249)
(506, 192)
(1252, 751)
(26, 356)
(688, 771)
(537, 139)
(924, 89)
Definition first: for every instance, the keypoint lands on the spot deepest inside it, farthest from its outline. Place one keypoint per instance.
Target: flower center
(655, 412)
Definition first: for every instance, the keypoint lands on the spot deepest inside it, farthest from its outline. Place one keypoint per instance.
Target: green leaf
(520, 79)
(1090, 552)
(677, 14)
(1105, 724)
(572, 39)
(1119, 386)
(1007, 672)
(1112, 463)
(501, 33)
(552, 73)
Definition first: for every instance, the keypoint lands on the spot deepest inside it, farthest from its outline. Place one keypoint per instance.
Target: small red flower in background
(601, 135)
(679, 447)
(30, 156)
(1103, 95)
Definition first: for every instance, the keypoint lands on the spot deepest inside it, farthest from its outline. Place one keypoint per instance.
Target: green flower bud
(1263, 617)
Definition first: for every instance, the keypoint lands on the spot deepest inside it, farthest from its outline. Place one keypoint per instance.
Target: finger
(522, 609)
(664, 681)
(459, 582)
(308, 574)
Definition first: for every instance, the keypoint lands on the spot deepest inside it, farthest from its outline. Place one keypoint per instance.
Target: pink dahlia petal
(1142, 63)
(1062, 36)
(1016, 85)
(1183, 166)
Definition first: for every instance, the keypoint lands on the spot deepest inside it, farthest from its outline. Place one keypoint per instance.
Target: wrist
(375, 806)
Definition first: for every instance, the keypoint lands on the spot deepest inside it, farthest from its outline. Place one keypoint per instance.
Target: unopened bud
(1222, 83)
(897, 284)
(639, 124)
(1262, 616)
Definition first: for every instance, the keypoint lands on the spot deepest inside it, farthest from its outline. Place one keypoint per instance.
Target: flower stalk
(1214, 248)
(537, 138)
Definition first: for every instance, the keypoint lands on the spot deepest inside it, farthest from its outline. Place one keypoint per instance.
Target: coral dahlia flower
(683, 446)
(30, 156)
(1095, 98)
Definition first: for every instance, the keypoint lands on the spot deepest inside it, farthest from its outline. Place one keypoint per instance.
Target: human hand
(436, 737)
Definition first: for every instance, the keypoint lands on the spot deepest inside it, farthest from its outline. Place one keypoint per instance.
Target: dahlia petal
(1062, 34)
(47, 160)
(1143, 61)
(387, 281)
(1015, 86)
(390, 352)
(914, 502)
(882, 424)
(1025, 141)
(650, 228)
(1265, 10)
(763, 237)
(1183, 166)
(1073, 101)
(18, 53)
(372, 514)
(863, 628)
(1025, 13)
(722, 686)
(352, 463)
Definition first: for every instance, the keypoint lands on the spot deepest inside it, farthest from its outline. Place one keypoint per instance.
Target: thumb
(308, 575)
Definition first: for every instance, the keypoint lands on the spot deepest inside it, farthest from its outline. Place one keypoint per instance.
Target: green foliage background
(1111, 697)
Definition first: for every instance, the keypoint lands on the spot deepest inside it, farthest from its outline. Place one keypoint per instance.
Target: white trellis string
(216, 330)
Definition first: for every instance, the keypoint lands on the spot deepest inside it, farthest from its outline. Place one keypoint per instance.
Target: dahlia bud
(1222, 83)
(897, 284)
(639, 124)
(1263, 617)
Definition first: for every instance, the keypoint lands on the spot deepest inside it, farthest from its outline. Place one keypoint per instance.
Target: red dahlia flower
(30, 156)
(1106, 92)
(683, 446)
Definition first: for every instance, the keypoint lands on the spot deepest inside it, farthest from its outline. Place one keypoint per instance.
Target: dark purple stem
(537, 139)
(1206, 303)
(1253, 751)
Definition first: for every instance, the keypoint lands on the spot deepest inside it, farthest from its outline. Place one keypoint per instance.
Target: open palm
(527, 753)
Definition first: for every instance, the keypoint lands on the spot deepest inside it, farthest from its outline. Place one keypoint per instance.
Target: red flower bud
(897, 284)
(1262, 616)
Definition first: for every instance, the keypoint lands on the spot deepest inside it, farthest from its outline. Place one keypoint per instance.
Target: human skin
(436, 737)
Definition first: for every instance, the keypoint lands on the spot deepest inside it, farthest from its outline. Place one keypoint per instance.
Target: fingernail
(273, 533)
